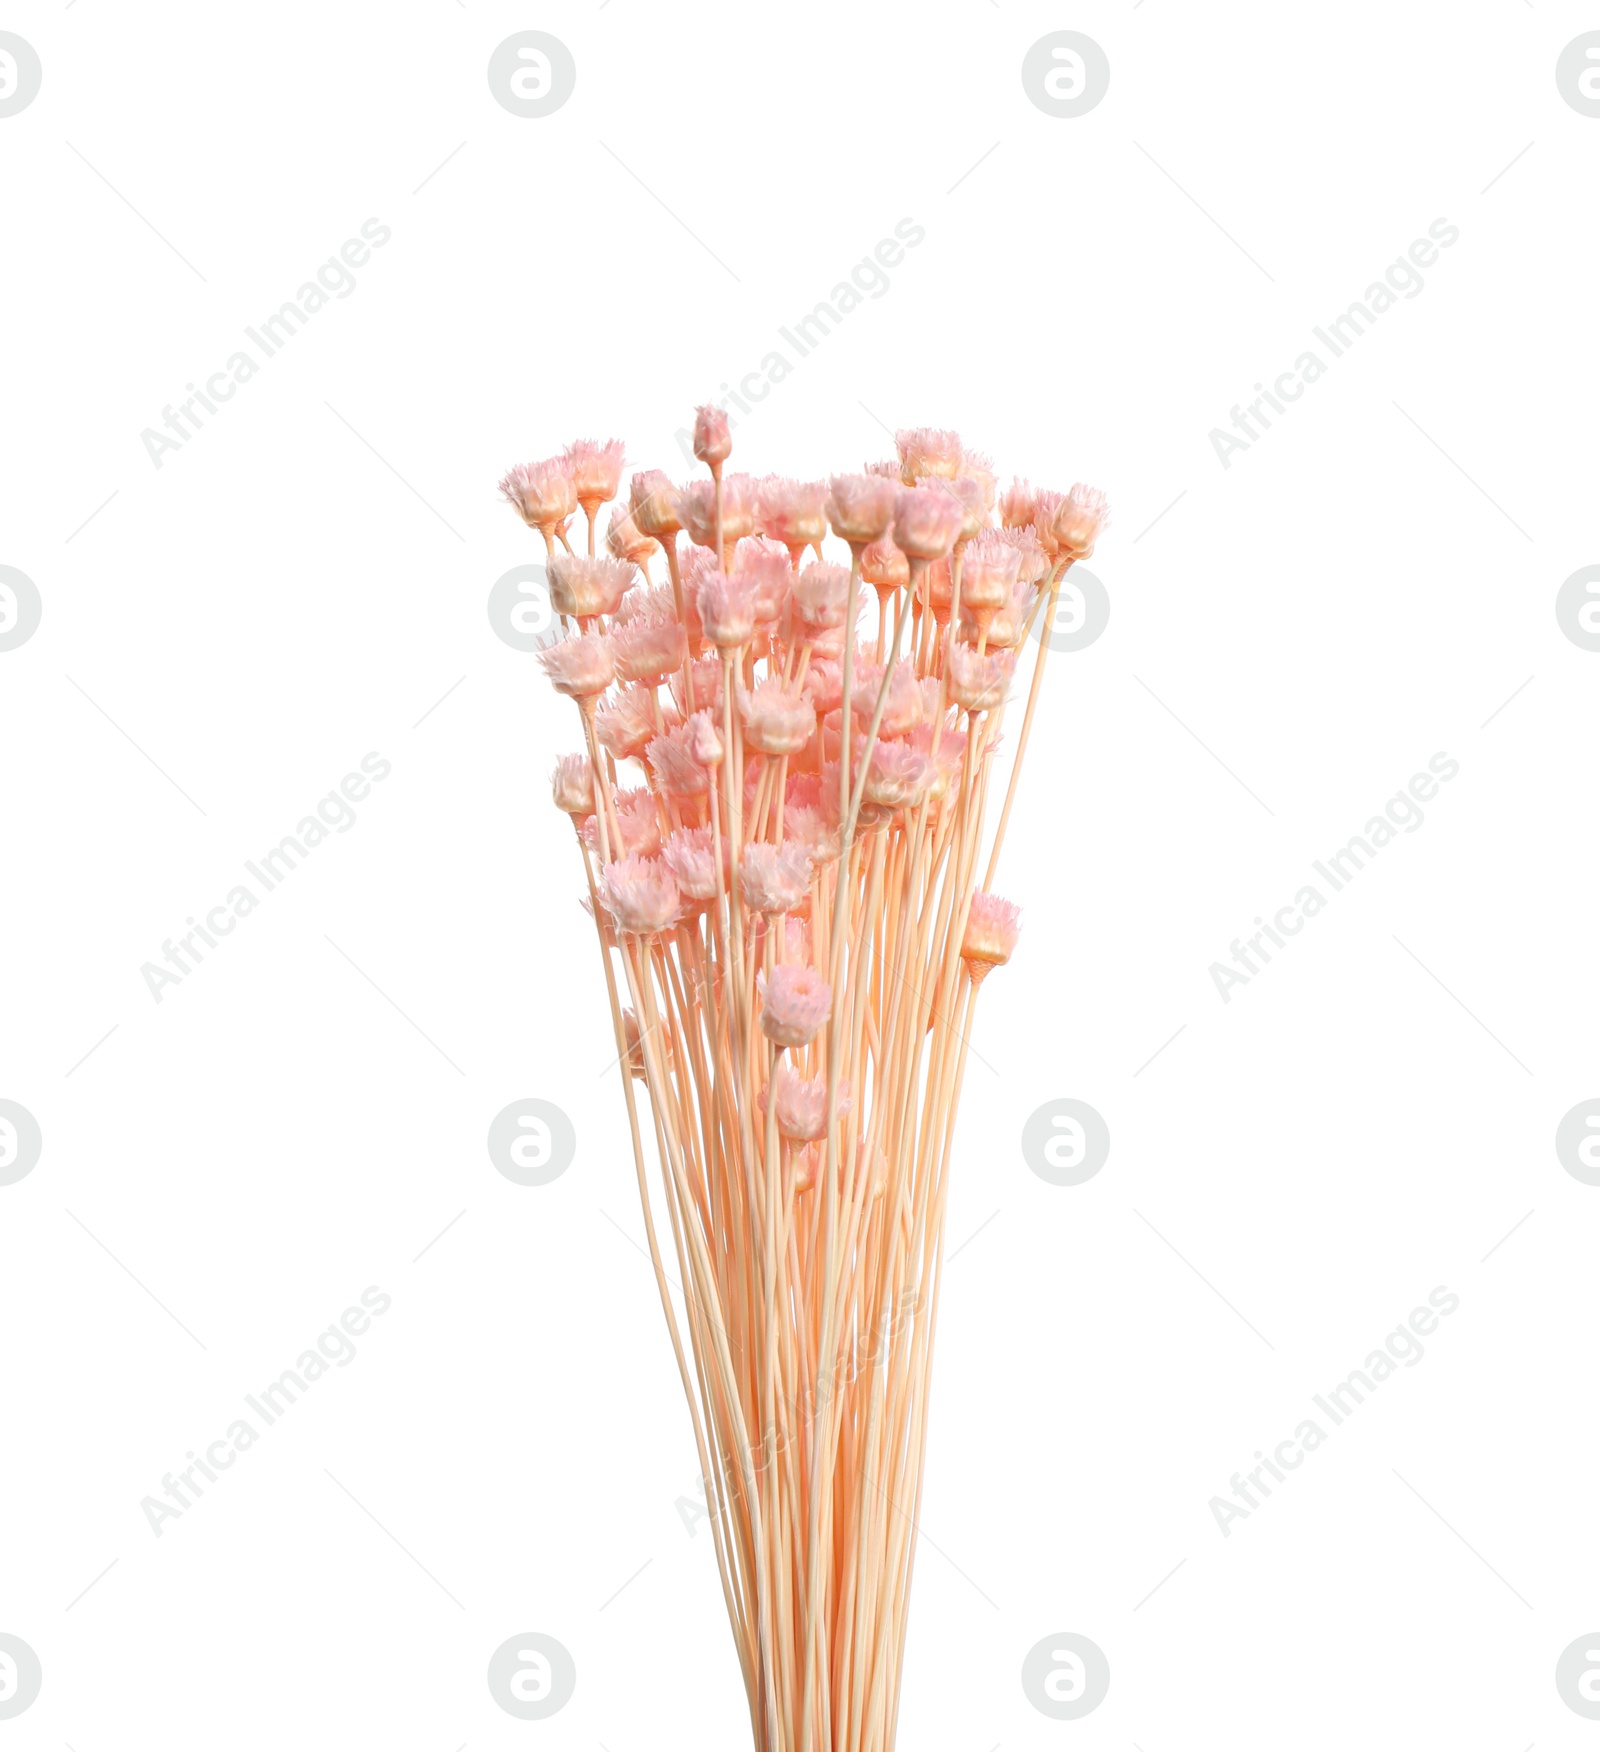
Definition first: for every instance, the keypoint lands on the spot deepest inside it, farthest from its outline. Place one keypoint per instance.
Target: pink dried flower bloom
(824, 685)
(543, 493)
(689, 855)
(902, 709)
(805, 825)
(583, 587)
(802, 1104)
(1006, 625)
(727, 609)
(925, 452)
(1046, 504)
(649, 650)
(626, 540)
(705, 741)
(653, 505)
(927, 521)
(580, 666)
(993, 926)
(572, 785)
(980, 469)
(807, 1164)
(625, 721)
(974, 511)
(1080, 519)
(637, 819)
(713, 442)
(766, 565)
(1033, 563)
(791, 511)
(778, 720)
(596, 470)
(989, 566)
(1017, 505)
(884, 567)
(979, 684)
(897, 776)
(697, 506)
(640, 895)
(936, 589)
(822, 594)
(860, 507)
(672, 760)
(706, 673)
(795, 1000)
(774, 879)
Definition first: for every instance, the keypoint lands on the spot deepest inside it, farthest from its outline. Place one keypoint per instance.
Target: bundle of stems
(793, 932)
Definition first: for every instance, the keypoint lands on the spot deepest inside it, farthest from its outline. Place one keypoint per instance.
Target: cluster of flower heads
(742, 677)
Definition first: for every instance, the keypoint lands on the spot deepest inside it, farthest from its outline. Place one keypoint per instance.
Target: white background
(1289, 643)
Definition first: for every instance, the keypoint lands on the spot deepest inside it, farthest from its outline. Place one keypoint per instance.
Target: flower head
(1079, 519)
(884, 567)
(927, 521)
(572, 785)
(993, 926)
(902, 708)
(989, 566)
(802, 1104)
(640, 895)
(626, 540)
(697, 505)
(925, 453)
(713, 442)
(672, 760)
(625, 721)
(583, 587)
(727, 609)
(777, 720)
(638, 823)
(766, 565)
(860, 507)
(774, 879)
(596, 470)
(706, 674)
(580, 666)
(979, 684)
(649, 649)
(792, 512)
(795, 1000)
(544, 493)
(897, 776)
(821, 595)
(689, 855)
(653, 505)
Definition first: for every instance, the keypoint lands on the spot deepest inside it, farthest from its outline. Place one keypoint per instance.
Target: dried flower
(979, 684)
(927, 521)
(580, 666)
(640, 895)
(802, 1104)
(584, 587)
(713, 442)
(649, 650)
(897, 776)
(596, 471)
(572, 785)
(544, 493)
(727, 609)
(688, 854)
(672, 760)
(773, 879)
(625, 721)
(794, 1004)
(1079, 520)
(777, 720)
(653, 505)
(697, 506)
(860, 507)
(928, 454)
(993, 926)
(625, 539)
(792, 511)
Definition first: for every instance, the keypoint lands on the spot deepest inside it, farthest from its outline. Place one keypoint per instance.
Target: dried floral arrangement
(794, 929)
